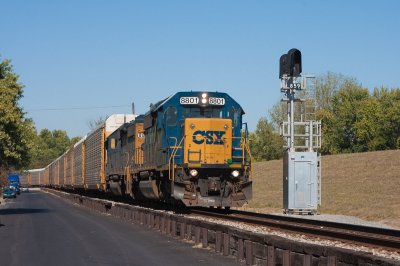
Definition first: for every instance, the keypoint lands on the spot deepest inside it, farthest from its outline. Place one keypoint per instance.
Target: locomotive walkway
(39, 229)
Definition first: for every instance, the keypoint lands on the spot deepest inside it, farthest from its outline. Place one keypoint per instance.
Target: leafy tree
(16, 132)
(326, 86)
(49, 145)
(346, 122)
(266, 143)
(75, 140)
(277, 114)
(389, 123)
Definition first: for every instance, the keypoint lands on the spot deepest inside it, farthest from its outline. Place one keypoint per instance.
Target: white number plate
(216, 101)
(189, 100)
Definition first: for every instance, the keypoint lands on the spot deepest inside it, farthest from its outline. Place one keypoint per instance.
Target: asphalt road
(40, 229)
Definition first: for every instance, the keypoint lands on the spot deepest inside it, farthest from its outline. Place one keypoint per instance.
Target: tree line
(353, 119)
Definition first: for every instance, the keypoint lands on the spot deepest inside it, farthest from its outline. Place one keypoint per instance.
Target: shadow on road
(22, 211)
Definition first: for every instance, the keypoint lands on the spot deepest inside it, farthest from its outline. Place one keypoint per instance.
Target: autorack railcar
(83, 165)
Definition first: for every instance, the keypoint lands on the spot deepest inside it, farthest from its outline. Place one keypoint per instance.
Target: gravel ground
(340, 219)
(387, 223)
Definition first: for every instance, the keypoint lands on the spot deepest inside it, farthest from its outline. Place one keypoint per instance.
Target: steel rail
(355, 234)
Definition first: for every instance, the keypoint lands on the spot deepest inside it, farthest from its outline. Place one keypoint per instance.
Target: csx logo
(210, 136)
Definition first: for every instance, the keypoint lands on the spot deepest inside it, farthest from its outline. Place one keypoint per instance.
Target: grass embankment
(365, 185)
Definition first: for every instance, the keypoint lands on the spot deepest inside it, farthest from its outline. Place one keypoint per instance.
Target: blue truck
(13, 182)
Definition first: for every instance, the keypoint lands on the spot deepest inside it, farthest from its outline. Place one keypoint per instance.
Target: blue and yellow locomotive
(190, 147)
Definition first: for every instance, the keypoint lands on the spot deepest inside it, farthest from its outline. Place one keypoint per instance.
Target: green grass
(365, 185)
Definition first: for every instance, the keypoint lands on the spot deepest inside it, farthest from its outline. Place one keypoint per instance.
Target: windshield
(208, 112)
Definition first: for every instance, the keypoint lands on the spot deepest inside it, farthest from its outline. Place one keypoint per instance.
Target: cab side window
(235, 116)
(171, 114)
(113, 143)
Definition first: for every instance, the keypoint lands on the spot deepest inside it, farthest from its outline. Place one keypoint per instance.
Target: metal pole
(288, 123)
(307, 138)
(311, 137)
(287, 94)
(291, 95)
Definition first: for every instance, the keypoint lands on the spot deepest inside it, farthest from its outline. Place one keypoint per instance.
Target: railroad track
(349, 233)
(374, 237)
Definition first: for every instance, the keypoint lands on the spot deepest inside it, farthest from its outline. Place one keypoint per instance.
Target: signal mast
(301, 163)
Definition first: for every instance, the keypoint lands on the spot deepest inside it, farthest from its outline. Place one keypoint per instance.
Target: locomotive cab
(196, 152)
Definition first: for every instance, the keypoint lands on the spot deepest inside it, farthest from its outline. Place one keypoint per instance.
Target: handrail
(172, 160)
(247, 147)
(139, 157)
(244, 147)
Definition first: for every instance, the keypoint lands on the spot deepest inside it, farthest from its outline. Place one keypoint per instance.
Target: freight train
(190, 148)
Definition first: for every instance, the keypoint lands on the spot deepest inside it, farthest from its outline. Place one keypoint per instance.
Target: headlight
(193, 172)
(235, 173)
(204, 99)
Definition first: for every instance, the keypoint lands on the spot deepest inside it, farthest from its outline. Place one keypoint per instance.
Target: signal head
(284, 67)
(290, 63)
(295, 62)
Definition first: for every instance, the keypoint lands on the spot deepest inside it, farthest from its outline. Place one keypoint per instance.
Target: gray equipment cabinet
(300, 182)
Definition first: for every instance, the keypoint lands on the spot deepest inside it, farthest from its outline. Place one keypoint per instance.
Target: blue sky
(80, 54)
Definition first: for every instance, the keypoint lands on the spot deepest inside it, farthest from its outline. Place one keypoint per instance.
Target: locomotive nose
(208, 140)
